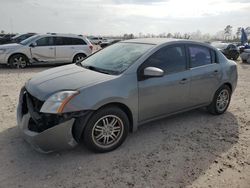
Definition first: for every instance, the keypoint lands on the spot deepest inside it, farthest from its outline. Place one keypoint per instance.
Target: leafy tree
(248, 31)
(228, 31)
(169, 35)
(238, 32)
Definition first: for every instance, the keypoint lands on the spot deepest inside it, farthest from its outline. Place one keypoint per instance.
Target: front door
(167, 94)
(43, 50)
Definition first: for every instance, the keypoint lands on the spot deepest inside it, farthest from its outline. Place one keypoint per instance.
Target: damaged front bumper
(56, 135)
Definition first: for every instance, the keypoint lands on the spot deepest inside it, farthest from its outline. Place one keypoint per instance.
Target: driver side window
(170, 59)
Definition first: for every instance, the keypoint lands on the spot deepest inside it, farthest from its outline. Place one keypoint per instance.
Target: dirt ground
(193, 149)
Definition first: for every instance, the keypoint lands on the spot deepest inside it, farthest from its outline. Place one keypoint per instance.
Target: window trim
(142, 66)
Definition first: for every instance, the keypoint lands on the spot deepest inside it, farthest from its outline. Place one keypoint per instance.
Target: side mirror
(153, 72)
(32, 45)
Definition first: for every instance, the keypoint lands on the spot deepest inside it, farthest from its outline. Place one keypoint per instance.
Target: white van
(46, 49)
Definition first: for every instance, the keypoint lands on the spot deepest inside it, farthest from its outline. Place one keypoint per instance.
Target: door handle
(183, 81)
(51, 48)
(215, 72)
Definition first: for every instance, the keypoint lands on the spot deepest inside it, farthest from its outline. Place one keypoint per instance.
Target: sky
(116, 17)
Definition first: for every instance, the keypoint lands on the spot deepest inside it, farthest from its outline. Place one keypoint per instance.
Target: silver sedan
(109, 94)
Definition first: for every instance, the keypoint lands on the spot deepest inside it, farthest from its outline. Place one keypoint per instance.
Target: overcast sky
(116, 17)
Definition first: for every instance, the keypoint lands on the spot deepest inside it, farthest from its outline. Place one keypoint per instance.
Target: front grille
(37, 104)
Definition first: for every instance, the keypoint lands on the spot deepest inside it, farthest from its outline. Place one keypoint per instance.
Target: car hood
(69, 77)
(10, 46)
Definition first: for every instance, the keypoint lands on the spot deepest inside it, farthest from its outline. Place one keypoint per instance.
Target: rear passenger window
(64, 41)
(169, 59)
(199, 56)
(59, 41)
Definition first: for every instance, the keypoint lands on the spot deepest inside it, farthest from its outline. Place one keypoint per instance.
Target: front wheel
(106, 130)
(18, 61)
(220, 101)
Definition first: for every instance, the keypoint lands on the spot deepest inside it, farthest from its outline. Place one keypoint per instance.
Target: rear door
(63, 49)
(67, 47)
(205, 72)
(44, 50)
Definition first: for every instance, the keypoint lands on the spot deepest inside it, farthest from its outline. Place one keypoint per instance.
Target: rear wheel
(18, 61)
(79, 58)
(220, 101)
(106, 130)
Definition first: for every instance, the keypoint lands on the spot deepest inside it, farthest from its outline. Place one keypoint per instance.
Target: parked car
(46, 49)
(96, 40)
(109, 94)
(109, 42)
(231, 51)
(245, 55)
(21, 37)
(6, 38)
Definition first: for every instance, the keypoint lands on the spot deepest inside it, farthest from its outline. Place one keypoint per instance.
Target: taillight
(91, 47)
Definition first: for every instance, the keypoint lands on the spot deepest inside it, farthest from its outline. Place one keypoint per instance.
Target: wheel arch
(18, 53)
(225, 83)
(79, 128)
(77, 53)
(228, 84)
(124, 108)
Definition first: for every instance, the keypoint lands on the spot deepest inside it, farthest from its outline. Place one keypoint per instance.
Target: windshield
(116, 58)
(28, 40)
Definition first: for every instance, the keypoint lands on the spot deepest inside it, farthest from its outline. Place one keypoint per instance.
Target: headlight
(57, 102)
(2, 51)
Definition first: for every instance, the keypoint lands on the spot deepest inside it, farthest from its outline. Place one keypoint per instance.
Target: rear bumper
(58, 137)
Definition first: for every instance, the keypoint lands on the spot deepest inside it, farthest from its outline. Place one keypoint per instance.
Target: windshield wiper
(97, 69)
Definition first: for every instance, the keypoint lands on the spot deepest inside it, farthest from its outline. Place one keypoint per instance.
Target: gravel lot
(193, 149)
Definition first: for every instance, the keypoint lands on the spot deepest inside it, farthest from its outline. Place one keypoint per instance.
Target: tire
(220, 101)
(236, 56)
(18, 61)
(79, 58)
(96, 136)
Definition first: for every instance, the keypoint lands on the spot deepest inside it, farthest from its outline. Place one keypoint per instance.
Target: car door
(64, 49)
(206, 74)
(167, 94)
(43, 50)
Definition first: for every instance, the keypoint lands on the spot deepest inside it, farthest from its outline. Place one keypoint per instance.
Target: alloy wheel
(79, 58)
(222, 100)
(107, 131)
(19, 62)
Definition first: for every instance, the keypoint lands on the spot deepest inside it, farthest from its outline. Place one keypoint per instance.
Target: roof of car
(152, 40)
(159, 41)
(62, 35)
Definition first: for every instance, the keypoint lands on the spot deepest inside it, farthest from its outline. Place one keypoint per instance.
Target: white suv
(48, 48)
